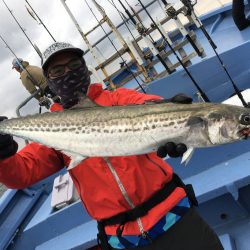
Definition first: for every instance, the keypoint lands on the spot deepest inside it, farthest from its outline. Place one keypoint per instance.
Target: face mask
(71, 86)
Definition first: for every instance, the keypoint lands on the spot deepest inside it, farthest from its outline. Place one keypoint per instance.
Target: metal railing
(21, 105)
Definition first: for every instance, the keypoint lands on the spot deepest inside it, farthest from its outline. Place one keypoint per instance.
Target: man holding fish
(137, 200)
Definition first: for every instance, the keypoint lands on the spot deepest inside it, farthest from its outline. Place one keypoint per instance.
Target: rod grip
(191, 41)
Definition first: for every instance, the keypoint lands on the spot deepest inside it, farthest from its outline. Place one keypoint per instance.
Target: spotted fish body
(133, 129)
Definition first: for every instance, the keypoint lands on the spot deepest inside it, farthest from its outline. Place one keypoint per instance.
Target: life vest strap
(142, 209)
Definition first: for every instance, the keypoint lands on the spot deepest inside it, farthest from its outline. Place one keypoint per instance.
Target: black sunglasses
(59, 70)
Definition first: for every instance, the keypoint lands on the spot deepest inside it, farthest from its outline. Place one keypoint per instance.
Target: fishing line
(190, 11)
(35, 48)
(140, 20)
(203, 95)
(41, 21)
(143, 32)
(125, 21)
(122, 17)
(125, 63)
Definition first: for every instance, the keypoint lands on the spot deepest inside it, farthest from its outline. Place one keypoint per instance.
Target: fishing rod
(39, 19)
(193, 17)
(140, 20)
(190, 13)
(125, 20)
(173, 14)
(119, 35)
(143, 32)
(201, 92)
(90, 47)
(184, 32)
(126, 44)
(33, 45)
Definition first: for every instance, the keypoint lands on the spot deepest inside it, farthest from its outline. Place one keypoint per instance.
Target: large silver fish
(131, 130)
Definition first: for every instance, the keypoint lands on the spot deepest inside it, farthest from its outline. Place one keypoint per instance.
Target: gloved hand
(170, 148)
(181, 99)
(8, 146)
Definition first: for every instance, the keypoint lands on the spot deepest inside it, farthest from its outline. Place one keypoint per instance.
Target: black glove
(181, 99)
(170, 148)
(8, 146)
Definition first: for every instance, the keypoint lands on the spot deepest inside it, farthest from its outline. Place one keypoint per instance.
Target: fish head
(228, 123)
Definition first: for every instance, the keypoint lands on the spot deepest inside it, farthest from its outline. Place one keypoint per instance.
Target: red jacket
(141, 175)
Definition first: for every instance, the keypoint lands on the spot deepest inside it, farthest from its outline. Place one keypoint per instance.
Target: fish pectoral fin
(187, 156)
(76, 159)
(84, 102)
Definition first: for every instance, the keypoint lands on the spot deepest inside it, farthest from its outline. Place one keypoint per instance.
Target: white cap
(57, 48)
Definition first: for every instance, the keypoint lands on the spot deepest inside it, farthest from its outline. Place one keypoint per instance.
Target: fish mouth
(244, 133)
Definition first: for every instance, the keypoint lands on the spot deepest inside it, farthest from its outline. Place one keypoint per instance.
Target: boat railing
(22, 104)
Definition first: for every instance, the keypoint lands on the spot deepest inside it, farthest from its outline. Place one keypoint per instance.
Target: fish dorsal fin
(85, 102)
(195, 121)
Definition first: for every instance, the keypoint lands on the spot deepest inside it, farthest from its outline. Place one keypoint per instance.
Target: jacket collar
(94, 91)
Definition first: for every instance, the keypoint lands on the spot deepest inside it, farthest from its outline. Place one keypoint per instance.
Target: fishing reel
(48, 99)
(141, 29)
(189, 6)
(45, 101)
(171, 11)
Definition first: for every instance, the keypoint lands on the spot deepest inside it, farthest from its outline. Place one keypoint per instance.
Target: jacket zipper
(124, 193)
(156, 164)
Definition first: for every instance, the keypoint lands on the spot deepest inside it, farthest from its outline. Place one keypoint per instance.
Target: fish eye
(245, 119)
